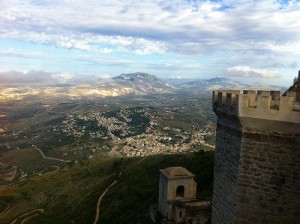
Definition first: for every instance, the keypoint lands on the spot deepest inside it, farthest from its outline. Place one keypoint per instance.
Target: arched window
(180, 214)
(180, 191)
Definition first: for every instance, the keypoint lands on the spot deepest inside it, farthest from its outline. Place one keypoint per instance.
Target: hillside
(143, 81)
(139, 83)
(217, 83)
(129, 201)
(125, 84)
(71, 195)
(295, 88)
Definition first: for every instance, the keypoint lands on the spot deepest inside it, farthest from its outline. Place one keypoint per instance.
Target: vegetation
(70, 195)
(59, 149)
(295, 88)
(72, 131)
(129, 200)
(65, 195)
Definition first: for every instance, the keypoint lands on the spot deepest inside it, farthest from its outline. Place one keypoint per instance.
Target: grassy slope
(64, 195)
(71, 195)
(29, 160)
(129, 200)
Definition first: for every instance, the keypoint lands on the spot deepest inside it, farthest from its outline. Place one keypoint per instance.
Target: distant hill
(223, 83)
(212, 84)
(142, 83)
(124, 84)
(177, 81)
(133, 83)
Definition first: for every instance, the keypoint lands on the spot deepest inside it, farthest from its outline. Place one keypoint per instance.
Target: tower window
(180, 191)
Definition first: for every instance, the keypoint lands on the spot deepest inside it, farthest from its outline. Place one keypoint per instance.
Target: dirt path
(26, 216)
(99, 201)
(6, 209)
(141, 160)
(14, 173)
(103, 194)
(51, 158)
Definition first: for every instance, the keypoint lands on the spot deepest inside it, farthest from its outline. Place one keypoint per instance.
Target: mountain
(124, 84)
(223, 83)
(132, 83)
(142, 83)
(177, 81)
(212, 84)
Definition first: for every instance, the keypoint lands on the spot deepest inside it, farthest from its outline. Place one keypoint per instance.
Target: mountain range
(124, 84)
(204, 85)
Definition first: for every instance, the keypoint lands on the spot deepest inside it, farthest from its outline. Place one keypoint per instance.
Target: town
(75, 131)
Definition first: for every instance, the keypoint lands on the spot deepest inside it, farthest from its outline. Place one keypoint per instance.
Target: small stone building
(177, 201)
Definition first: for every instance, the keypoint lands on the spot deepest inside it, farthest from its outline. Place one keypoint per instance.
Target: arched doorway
(180, 191)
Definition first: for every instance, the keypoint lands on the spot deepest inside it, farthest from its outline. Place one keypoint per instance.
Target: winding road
(26, 216)
(14, 173)
(99, 201)
(51, 158)
(6, 208)
(103, 194)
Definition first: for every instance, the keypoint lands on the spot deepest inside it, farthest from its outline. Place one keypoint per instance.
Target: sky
(247, 40)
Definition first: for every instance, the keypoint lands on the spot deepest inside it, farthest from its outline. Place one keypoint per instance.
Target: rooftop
(173, 172)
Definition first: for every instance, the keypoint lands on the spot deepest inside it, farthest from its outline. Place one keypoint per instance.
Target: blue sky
(256, 41)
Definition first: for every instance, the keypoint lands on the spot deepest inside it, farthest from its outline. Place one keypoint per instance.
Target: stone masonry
(170, 180)
(257, 160)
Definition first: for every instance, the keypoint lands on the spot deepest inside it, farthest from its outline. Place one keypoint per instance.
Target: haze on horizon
(257, 41)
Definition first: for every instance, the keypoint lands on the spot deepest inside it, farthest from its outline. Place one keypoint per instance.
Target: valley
(92, 156)
(126, 126)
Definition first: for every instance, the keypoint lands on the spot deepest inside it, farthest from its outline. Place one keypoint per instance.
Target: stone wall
(269, 178)
(169, 181)
(227, 157)
(257, 167)
(190, 188)
(266, 105)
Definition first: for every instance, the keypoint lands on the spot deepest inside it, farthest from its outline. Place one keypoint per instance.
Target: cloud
(62, 78)
(121, 35)
(42, 78)
(150, 26)
(246, 71)
(12, 52)
(16, 77)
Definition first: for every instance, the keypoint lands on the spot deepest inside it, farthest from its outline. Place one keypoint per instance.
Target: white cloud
(154, 26)
(105, 76)
(246, 71)
(41, 78)
(14, 77)
(18, 53)
(62, 77)
(217, 34)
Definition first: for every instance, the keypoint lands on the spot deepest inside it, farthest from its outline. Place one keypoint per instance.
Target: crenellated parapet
(256, 168)
(268, 105)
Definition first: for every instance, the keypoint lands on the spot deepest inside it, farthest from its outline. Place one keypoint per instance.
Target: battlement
(269, 105)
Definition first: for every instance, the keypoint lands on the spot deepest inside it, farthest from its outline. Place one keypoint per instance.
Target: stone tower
(175, 184)
(257, 160)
